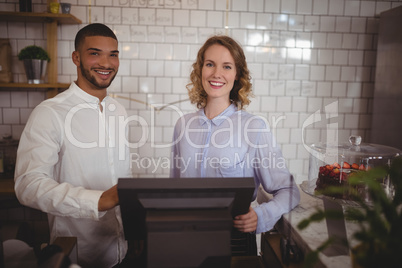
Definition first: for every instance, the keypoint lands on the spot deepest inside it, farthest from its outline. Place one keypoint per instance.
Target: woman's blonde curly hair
(241, 91)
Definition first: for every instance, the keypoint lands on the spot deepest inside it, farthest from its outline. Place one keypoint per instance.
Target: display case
(334, 164)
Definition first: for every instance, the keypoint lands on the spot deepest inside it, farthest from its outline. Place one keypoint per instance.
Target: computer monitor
(184, 222)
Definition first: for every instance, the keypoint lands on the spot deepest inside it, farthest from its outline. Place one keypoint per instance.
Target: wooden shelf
(51, 20)
(26, 86)
(51, 89)
(38, 17)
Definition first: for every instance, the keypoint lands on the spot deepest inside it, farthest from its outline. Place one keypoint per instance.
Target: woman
(223, 140)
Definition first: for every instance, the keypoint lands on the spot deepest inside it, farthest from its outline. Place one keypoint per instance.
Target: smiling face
(218, 73)
(97, 61)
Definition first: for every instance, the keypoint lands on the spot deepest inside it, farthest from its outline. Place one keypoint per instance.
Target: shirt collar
(217, 120)
(88, 98)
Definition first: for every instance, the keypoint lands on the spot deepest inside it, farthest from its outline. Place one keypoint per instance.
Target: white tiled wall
(304, 56)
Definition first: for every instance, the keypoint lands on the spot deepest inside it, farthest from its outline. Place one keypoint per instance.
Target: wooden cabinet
(51, 20)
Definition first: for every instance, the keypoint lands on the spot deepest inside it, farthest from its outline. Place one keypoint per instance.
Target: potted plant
(35, 61)
(380, 220)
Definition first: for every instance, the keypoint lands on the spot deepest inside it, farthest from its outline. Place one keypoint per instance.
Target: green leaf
(315, 217)
(312, 257)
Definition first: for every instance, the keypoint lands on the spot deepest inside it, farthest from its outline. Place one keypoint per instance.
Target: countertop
(316, 233)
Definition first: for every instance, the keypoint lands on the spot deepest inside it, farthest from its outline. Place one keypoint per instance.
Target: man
(69, 158)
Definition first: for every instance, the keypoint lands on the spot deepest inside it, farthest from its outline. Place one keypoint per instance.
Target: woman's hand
(246, 223)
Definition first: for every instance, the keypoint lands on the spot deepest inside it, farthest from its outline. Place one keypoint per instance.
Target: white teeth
(216, 84)
(103, 72)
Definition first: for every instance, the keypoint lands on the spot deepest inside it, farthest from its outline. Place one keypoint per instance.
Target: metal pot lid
(356, 148)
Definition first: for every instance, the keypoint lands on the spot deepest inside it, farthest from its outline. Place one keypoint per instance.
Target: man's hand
(109, 199)
(247, 222)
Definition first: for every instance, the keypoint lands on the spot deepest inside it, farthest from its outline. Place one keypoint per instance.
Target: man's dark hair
(94, 29)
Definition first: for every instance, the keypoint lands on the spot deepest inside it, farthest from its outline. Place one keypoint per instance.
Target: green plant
(34, 53)
(380, 220)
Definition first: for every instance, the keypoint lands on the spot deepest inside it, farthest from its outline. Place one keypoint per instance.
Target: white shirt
(235, 144)
(69, 153)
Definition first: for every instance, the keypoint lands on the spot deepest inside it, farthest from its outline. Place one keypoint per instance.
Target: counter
(307, 240)
(316, 233)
